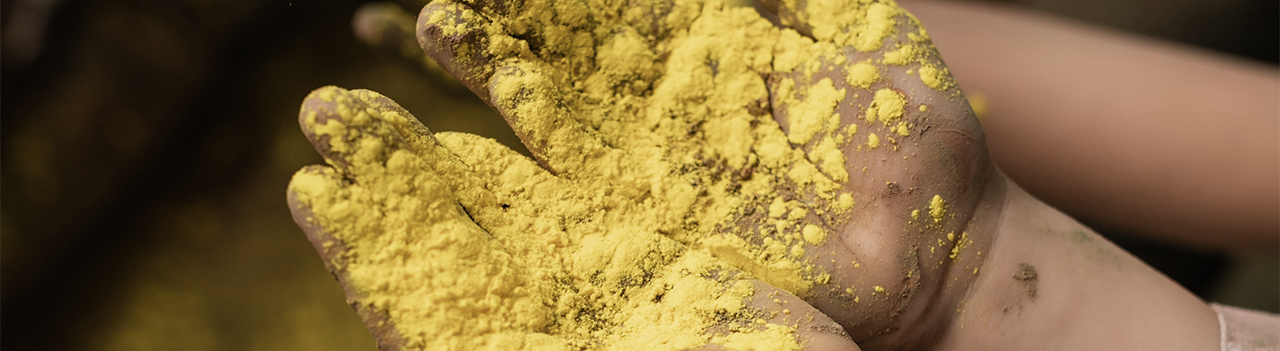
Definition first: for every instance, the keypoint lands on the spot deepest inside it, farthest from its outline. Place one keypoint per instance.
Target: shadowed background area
(145, 147)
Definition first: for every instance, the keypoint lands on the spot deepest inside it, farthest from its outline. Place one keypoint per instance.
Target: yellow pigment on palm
(643, 237)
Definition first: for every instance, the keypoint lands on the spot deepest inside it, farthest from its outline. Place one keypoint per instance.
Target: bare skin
(1109, 136)
(928, 296)
(919, 281)
(812, 327)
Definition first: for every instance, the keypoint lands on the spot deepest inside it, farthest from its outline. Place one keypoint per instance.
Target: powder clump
(654, 198)
(937, 208)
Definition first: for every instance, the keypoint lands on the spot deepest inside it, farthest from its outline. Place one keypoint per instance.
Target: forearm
(1085, 293)
(1130, 134)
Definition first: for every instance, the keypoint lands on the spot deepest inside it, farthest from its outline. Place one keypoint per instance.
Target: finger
(336, 120)
(365, 117)
(458, 38)
(417, 136)
(412, 260)
(468, 186)
(535, 108)
(346, 130)
(326, 180)
(388, 29)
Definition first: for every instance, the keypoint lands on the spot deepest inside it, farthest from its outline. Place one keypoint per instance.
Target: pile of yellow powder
(664, 192)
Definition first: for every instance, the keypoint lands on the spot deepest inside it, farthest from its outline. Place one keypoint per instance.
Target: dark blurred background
(145, 147)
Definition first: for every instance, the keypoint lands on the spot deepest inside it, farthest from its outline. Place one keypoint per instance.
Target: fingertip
(309, 186)
(455, 36)
(348, 128)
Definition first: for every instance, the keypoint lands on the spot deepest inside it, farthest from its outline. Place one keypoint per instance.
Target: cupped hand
(454, 242)
(866, 110)
(833, 159)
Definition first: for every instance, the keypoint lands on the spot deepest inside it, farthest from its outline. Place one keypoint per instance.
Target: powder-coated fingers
(327, 180)
(458, 38)
(468, 39)
(534, 107)
(357, 129)
(404, 247)
(421, 141)
(346, 131)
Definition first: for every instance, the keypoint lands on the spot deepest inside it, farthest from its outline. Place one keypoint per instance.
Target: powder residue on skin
(1027, 276)
(809, 116)
(960, 245)
(937, 208)
(814, 234)
(935, 78)
(868, 24)
(661, 198)
(888, 106)
(862, 74)
(901, 56)
(522, 279)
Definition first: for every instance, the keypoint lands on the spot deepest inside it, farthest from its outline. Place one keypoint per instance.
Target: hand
(493, 262)
(655, 121)
(896, 274)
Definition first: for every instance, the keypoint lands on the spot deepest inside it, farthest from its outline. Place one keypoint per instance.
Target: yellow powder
(798, 213)
(847, 23)
(931, 77)
(901, 56)
(937, 208)
(807, 117)
(901, 129)
(831, 160)
(862, 74)
(777, 208)
(961, 245)
(888, 106)
(638, 232)
(814, 234)
(843, 203)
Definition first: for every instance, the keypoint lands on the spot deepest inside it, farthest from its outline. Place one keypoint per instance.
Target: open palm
(836, 162)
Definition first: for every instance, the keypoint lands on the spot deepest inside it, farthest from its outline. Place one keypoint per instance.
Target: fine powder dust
(663, 197)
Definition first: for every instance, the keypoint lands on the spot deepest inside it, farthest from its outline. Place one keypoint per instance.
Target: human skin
(817, 331)
(1123, 132)
(1083, 280)
(944, 305)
